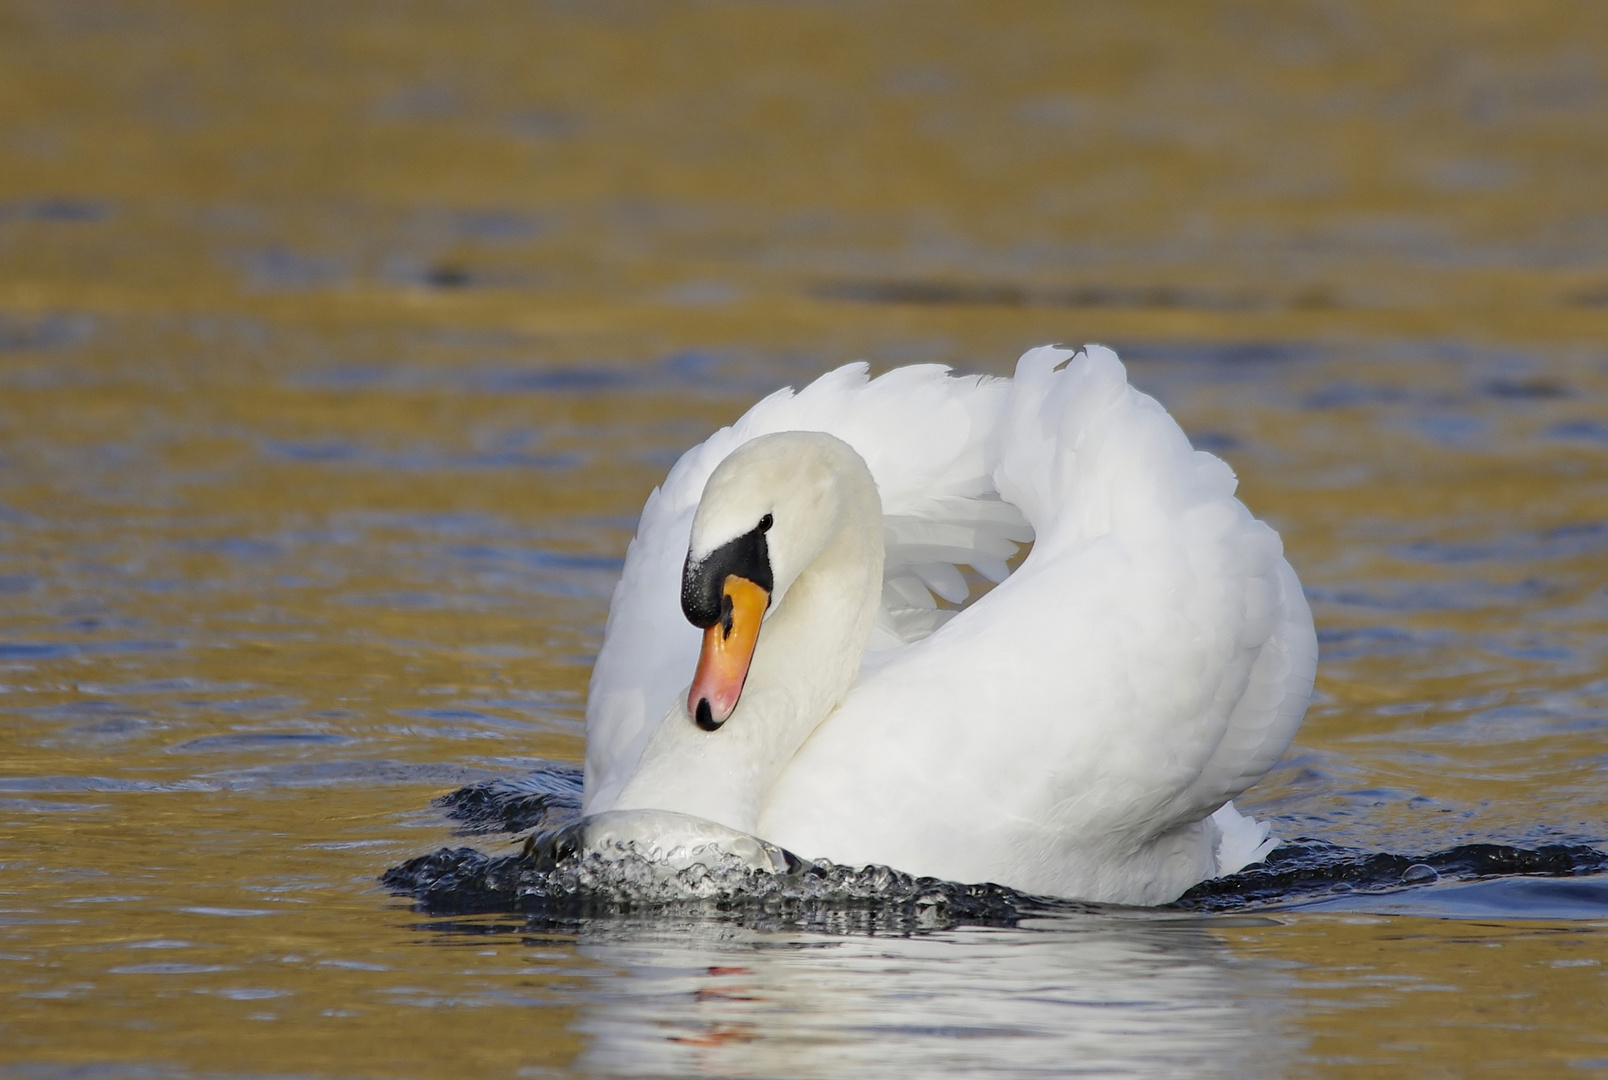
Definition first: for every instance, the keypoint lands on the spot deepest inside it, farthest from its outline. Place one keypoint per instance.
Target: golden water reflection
(339, 345)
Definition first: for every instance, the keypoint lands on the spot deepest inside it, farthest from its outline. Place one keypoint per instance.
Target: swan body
(1078, 731)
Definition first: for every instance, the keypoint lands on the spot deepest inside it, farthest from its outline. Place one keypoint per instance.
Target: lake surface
(340, 344)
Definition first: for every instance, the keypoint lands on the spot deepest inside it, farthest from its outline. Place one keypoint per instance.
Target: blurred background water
(340, 344)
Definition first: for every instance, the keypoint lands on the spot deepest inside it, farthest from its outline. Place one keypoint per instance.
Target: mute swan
(1078, 731)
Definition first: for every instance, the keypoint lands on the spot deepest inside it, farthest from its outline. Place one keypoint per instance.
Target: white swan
(1077, 731)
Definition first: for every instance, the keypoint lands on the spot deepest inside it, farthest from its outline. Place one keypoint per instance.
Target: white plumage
(1073, 732)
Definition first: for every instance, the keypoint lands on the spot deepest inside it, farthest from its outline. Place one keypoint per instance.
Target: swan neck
(806, 658)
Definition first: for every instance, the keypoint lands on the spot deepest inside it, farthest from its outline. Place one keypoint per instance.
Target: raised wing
(1090, 459)
(1148, 660)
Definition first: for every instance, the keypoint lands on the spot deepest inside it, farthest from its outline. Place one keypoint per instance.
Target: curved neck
(806, 658)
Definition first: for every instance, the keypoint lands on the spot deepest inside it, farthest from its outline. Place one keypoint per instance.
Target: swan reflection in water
(1087, 995)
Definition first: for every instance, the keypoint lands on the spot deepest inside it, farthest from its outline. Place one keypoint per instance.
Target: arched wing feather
(1149, 659)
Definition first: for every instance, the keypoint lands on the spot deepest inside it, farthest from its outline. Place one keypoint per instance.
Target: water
(339, 346)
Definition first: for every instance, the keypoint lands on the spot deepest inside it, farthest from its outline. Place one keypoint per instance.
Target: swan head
(767, 512)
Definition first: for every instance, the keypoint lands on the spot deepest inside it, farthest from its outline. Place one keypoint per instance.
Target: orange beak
(728, 649)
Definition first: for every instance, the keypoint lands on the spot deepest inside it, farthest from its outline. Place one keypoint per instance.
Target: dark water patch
(542, 125)
(1215, 442)
(1530, 651)
(513, 459)
(161, 969)
(346, 377)
(449, 276)
(235, 547)
(1219, 354)
(1313, 869)
(48, 806)
(541, 560)
(1593, 431)
(305, 774)
(501, 458)
(696, 366)
(413, 600)
(283, 270)
(459, 340)
(311, 451)
(447, 714)
(1465, 595)
(61, 210)
(1526, 389)
(701, 294)
(1588, 298)
(721, 373)
(117, 727)
(92, 717)
(116, 785)
(259, 706)
(89, 624)
(497, 226)
(424, 460)
(16, 584)
(1346, 395)
(79, 711)
(1349, 643)
(1562, 542)
(575, 380)
(427, 101)
(1458, 431)
(1472, 174)
(446, 276)
(20, 333)
(1545, 898)
(256, 740)
(1503, 724)
(926, 293)
(746, 374)
(35, 651)
(465, 722)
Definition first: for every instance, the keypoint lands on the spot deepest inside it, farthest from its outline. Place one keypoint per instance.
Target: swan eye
(766, 522)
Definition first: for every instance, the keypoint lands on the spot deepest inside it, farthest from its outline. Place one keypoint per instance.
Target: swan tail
(1242, 840)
